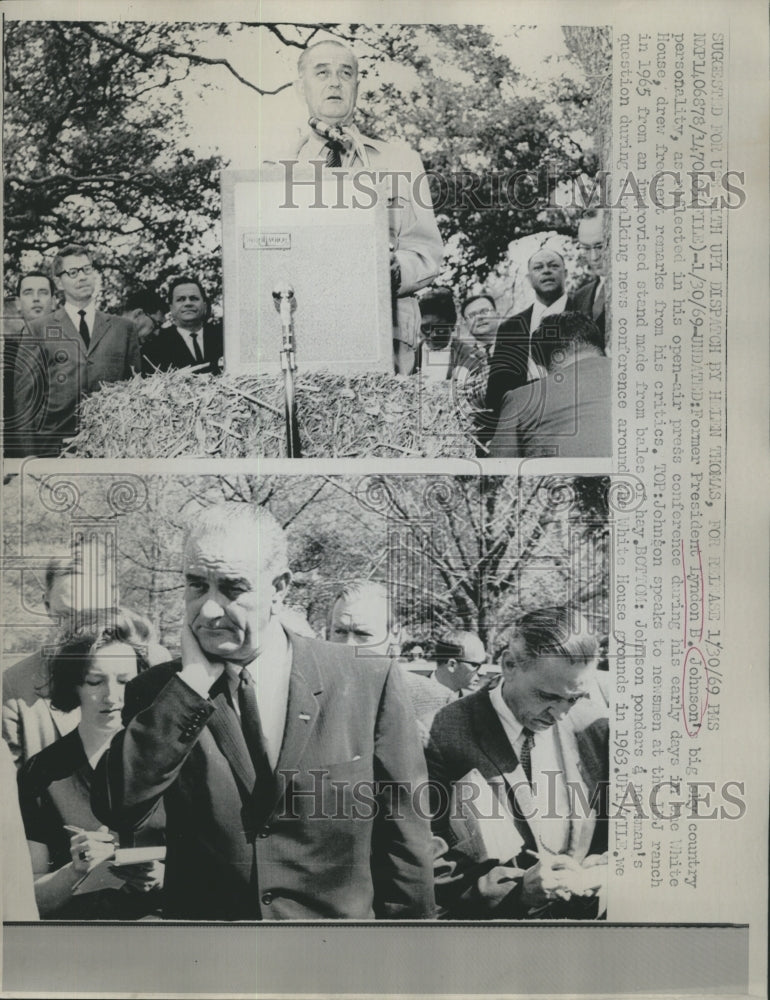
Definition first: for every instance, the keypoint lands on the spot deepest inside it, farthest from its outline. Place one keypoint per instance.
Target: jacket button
(267, 898)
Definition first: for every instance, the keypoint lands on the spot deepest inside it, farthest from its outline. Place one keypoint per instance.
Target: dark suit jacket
(568, 413)
(508, 366)
(468, 734)
(168, 349)
(54, 371)
(319, 843)
(583, 301)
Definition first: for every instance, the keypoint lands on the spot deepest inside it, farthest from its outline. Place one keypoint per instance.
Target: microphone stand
(285, 304)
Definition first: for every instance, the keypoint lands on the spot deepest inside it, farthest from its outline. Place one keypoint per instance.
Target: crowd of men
(294, 778)
(538, 382)
(63, 348)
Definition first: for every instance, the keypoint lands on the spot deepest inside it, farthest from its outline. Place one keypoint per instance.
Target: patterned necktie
(525, 755)
(334, 152)
(252, 728)
(83, 329)
(196, 348)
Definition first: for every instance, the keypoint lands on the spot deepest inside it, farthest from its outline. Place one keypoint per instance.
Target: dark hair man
(568, 412)
(532, 752)
(68, 354)
(189, 340)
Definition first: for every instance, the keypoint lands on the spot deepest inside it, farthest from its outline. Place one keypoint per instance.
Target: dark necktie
(83, 330)
(334, 153)
(196, 349)
(252, 728)
(525, 756)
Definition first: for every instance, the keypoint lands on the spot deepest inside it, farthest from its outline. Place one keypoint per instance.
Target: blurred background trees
(454, 551)
(114, 133)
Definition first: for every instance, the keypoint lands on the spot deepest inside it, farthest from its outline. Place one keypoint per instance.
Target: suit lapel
(494, 743)
(102, 323)
(302, 709)
(491, 735)
(181, 349)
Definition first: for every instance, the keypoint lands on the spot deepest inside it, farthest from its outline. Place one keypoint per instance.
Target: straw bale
(177, 413)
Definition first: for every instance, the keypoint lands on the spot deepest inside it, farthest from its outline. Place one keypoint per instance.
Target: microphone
(333, 132)
(284, 301)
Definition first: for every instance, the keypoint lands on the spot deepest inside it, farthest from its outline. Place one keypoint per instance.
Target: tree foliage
(454, 551)
(98, 146)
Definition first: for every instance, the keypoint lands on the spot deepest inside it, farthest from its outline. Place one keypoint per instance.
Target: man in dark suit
(523, 340)
(67, 355)
(568, 412)
(590, 297)
(286, 771)
(34, 298)
(532, 754)
(189, 341)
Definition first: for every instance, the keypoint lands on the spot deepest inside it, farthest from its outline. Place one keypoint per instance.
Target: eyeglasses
(489, 311)
(593, 247)
(472, 664)
(73, 272)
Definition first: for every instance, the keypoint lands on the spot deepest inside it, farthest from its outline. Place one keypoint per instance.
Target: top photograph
(243, 239)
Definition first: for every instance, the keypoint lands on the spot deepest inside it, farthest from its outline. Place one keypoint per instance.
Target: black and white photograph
(429, 638)
(379, 241)
(384, 605)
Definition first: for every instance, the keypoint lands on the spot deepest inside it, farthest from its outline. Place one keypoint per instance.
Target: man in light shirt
(67, 355)
(522, 340)
(274, 755)
(189, 340)
(540, 741)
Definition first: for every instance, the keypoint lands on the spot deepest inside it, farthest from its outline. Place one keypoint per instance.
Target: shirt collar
(540, 310)
(275, 650)
(73, 311)
(510, 723)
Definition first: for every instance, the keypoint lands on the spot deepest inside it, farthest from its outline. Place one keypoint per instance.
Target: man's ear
(281, 586)
(451, 666)
(299, 87)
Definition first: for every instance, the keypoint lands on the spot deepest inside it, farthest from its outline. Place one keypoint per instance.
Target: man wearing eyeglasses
(590, 297)
(70, 353)
(520, 775)
(460, 657)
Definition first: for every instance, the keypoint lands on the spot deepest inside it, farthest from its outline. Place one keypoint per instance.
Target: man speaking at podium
(328, 81)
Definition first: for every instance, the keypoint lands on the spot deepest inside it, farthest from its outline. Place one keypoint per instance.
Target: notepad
(100, 877)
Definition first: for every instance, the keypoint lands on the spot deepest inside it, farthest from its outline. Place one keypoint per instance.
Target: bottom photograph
(305, 697)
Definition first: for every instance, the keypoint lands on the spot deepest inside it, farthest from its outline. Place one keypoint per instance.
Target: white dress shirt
(547, 808)
(72, 309)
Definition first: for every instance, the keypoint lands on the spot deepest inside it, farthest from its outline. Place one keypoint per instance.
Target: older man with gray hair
(285, 770)
(328, 83)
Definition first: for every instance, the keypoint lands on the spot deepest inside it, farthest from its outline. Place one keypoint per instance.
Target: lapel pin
(304, 717)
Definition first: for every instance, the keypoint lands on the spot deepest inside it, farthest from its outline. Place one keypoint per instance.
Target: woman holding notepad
(76, 861)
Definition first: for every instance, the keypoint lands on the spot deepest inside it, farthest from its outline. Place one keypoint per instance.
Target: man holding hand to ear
(284, 769)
